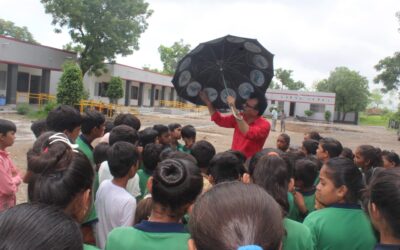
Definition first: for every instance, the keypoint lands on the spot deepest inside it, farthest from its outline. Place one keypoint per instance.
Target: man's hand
(204, 97)
(231, 101)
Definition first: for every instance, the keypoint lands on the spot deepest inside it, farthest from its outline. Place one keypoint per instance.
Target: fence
(183, 106)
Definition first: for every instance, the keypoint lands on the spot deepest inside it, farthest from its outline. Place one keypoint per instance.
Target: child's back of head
(100, 153)
(203, 151)
(39, 127)
(164, 136)
(127, 119)
(93, 119)
(151, 156)
(225, 167)
(123, 133)
(310, 147)
(305, 173)
(122, 157)
(147, 135)
(233, 215)
(63, 119)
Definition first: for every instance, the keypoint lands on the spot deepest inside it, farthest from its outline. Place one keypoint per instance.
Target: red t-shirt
(249, 143)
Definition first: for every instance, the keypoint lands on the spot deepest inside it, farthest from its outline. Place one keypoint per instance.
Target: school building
(31, 68)
(294, 103)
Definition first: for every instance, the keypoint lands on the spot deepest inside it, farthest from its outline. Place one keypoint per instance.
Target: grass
(374, 120)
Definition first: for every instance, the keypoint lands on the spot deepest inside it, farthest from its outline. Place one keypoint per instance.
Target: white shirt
(274, 114)
(115, 207)
(133, 184)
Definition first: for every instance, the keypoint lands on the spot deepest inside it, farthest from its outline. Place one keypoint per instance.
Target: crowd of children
(96, 184)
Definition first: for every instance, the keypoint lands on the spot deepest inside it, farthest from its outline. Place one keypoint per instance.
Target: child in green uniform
(188, 133)
(305, 173)
(271, 173)
(233, 215)
(225, 166)
(175, 132)
(92, 127)
(203, 151)
(164, 136)
(62, 177)
(367, 158)
(174, 186)
(151, 157)
(384, 206)
(342, 224)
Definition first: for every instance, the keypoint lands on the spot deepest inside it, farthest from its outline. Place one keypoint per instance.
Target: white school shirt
(133, 184)
(115, 207)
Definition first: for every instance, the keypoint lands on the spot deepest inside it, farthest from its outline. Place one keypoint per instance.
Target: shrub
(23, 108)
(308, 113)
(70, 89)
(328, 115)
(115, 89)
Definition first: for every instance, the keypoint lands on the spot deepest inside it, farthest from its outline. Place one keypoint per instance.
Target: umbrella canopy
(225, 66)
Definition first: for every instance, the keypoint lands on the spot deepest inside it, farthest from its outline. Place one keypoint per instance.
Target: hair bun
(171, 172)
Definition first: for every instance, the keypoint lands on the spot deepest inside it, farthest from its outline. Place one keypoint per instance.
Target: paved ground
(351, 136)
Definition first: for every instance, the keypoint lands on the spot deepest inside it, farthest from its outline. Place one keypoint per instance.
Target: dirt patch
(350, 135)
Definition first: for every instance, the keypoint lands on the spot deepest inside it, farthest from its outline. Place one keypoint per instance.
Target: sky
(310, 37)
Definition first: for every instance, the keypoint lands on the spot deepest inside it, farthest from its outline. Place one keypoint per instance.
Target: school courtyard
(350, 135)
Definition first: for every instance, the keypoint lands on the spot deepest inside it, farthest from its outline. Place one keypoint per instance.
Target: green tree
(8, 28)
(170, 56)
(115, 90)
(100, 29)
(389, 72)
(70, 88)
(351, 90)
(376, 98)
(285, 78)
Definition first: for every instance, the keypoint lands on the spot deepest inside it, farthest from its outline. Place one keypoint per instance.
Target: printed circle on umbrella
(185, 63)
(197, 49)
(211, 93)
(257, 77)
(245, 90)
(260, 61)
(226, 92)
(184, 78)
(193, 89)
(252, 47)
(234, 39)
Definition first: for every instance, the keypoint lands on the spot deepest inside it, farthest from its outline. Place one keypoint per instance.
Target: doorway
(292, 109)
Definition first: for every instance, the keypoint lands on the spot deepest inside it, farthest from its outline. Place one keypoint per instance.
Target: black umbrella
(225, 66)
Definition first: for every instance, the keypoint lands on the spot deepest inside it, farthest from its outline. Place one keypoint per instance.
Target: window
(102, 89)
(157, 94)
(281, 105)
(134, 92)
(317, 108)
(23, 82)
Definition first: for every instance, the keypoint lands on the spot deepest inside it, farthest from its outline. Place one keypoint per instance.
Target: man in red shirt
(251, 129)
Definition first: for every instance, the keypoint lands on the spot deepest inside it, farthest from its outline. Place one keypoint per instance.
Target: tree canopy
(350, 87)
(285, 78)
(70, 88)
(100, 29)
(375, 98)
(8, 28)
(115, 90)
(170, 56)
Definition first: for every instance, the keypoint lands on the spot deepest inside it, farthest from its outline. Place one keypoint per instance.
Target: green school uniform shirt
(87, 149)
(293, 213)
(143, 178)
(341, 227)
(183, 148)
(309, 200)
(149, 236)
(89, 247)
(298, 236)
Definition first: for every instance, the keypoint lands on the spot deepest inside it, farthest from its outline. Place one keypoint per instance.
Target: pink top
(249, 143)
(9, 181)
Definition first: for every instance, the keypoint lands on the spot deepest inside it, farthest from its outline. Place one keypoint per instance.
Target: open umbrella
(225, 66)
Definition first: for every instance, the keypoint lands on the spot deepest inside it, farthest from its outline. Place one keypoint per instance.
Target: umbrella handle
(235, 114)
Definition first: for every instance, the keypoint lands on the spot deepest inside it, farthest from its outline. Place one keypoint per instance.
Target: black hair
(173, 126)
(203, 151)
(242, 159)
(100, 152)
(147, 135)
(271, 173)
(255, 158)
(188, 131)
(306, 171)
(314, 135)
(109, 125)
(7, 126)
(371, 154)
(60, 173)
(121, 156)
(38, 127)
(347, 153)
(63, 118)
(37, 226)
(129, 120)
(161, 129)
(151, 156)
(225, 166)
(392, 157)
(91, 119)
(143, 210)
(332, 146)
(234, 214)
(261, 102)
(311, 146)
(343, 172)
(176, 182)
(286, 139)
(169, 154)
(384, 192)
(123, 133)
